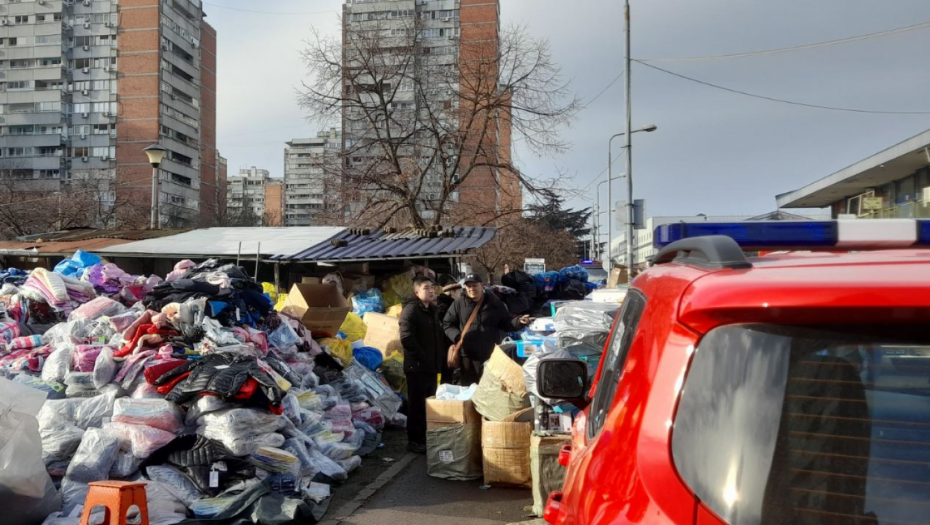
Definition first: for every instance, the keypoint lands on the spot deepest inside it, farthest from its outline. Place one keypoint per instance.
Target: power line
(268, 12)
(612, 82)
(783, 101)
(857, 38)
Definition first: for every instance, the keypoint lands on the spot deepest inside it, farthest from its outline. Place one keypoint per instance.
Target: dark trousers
(471, 371)
(420, 385)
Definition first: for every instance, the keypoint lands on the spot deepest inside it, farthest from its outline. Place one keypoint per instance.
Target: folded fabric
(24, 342)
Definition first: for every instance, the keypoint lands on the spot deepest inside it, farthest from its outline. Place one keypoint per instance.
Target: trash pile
(525, 294)
(194, 384)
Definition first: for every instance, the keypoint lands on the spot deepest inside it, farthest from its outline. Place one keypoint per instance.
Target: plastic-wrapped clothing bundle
(58, 364)
(163, 506)
(328, 467)
(584, 323)
(60, 442)
(73, 494)
(317, 492)
(83, 380)
(212, 507)
(249, 444)
(237, 422)
(99, 307)
(369, 301)
(156, 413)
(339, 451)
(322, 439)
(175, 482)
(339, 413)
(126, 465)
(84, 357)
(94, 457)
(83, 413)
(308, 400)
(375, 389)
(314, 424)
(275, 460)
(447, 392)
(146, 391)
(206, 405)
(372, 416)
(350, 464)
(298, 448)
(292, 408)
(141, 440)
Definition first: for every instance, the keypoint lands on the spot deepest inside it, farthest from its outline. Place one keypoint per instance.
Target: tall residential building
(447, 51)
(310, 187)
(86, 85)
(253, 194)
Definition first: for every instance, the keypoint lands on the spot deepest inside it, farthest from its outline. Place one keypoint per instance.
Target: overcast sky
(714, 152)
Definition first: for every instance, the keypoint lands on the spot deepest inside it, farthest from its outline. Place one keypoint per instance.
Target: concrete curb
(346, 511)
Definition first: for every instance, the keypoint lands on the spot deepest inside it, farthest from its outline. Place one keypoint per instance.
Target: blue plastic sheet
(370, 301)
(573, 272)
(547, 282)
(77, 263)
(370, 358)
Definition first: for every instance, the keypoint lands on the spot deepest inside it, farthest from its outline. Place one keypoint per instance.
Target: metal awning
(349, 246)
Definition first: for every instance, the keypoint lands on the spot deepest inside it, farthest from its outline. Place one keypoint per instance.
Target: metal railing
(918, 209)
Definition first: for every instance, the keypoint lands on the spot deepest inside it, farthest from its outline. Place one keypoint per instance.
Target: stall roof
(224, 242)
(380, 245)
(66, 242)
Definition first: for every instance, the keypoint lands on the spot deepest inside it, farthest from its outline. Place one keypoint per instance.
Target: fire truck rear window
(785, 426)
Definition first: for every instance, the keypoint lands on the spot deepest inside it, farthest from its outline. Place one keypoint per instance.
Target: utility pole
(629, 145)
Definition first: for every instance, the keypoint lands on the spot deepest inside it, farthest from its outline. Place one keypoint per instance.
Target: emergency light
(805, 235)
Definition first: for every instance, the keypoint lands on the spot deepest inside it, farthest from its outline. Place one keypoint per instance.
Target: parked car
(787, 389)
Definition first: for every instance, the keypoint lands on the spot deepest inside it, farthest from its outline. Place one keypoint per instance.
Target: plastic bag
(73, 495)
(175, 482)
(97, 308)
(370, 358)
(77, 263)
(57, 365)
(83, 380)
(237, 422)
(141, 440)
(283, 337)
(156, 413)
(104, 367)
(275, 460)
(339, 451)
(84, 357)
(375, 388)
(369, 301)
(249, 444)
(446, 392)
(298, 448)
(205, 405)
(353, 327)
(60, 442)
(126, 465)
(146, 391)
(26, 490)
(328, 467)
(339, 348)
(350, 464)
(94, 457)
(393, 370)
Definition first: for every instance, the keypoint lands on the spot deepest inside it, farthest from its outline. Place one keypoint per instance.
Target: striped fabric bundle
(26, 342)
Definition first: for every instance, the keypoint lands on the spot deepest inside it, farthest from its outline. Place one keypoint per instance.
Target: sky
(715, 152)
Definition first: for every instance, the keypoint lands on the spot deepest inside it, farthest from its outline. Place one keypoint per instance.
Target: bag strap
(468, 323)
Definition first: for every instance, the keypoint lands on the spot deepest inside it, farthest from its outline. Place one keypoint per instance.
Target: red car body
(624, 472)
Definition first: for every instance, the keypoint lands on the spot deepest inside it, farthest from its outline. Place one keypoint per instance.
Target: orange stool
(117, 497)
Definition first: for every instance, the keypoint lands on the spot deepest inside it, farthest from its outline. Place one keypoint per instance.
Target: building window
(21, 19)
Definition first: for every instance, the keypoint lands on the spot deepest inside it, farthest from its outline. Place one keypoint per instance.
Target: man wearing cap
(421, 335)
(487, 329)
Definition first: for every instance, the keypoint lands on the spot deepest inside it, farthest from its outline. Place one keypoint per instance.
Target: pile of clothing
(194, 385)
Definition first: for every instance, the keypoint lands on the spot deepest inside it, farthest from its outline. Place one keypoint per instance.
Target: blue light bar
(755, 234)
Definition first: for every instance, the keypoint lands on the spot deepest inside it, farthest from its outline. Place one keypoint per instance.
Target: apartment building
(447, 37)
(85, 85)
(309, 185)
(253, 194)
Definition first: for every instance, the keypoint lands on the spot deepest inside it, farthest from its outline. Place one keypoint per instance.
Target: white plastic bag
(156, 413)
(447, 392)
(94, 457)
(141, 440)
(27, 494)
(104, 368)
(57, 365)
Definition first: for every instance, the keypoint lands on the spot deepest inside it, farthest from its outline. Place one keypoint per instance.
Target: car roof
(811, 287)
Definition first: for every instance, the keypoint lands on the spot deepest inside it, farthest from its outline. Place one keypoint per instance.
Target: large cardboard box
(383, 333)
(439, 413)
(453, 440)
(548, 475)
(505, 450)
(617, 276)
(320, 307)
(502, 389)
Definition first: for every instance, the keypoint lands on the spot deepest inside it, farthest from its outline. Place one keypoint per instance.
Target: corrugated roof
(78, 234)
(406, 245)
(55, 248)
(224, 242)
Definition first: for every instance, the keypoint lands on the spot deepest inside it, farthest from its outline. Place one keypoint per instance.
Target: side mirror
(563, 379)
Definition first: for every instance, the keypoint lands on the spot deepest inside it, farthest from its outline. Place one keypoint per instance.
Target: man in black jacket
(487, 330)
(424, 345)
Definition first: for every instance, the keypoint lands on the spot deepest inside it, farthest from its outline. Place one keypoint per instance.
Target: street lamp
(155, 153)
(649, 128)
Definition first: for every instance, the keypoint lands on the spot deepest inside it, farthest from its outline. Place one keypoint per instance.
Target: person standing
(476, 323)
(423, 340)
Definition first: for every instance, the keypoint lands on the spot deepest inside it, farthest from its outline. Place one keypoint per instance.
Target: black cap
(472, 278)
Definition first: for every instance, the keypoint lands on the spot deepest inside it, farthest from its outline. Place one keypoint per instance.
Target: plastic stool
(117, 497)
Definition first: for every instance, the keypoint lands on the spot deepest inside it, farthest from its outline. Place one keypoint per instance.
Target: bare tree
(27, 206)
(520, 238)
(429, 123)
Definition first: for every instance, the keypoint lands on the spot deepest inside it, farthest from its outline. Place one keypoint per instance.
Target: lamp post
(610, 161)
(155, 153)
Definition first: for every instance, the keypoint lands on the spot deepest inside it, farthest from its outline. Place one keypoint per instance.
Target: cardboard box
(548, 475)
(320, 307)
(450, 412)
(383, 333)
(507, 371)
(505, 452)
(617, 276)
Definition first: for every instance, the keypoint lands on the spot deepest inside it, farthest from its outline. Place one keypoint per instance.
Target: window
(80, 41)
(48, 106)
(81, 63)
(612, 368)
(793, 425)
(80, 130)
(11, 41)
(21, 19)
(18, 85)
(56, 61)
(83, 107)
(16, 64)
(101, 129)
(81, 151)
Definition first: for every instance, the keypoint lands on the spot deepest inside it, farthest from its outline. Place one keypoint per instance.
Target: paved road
(413, 498)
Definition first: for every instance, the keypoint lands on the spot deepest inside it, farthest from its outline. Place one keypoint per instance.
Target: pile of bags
(194, 385)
